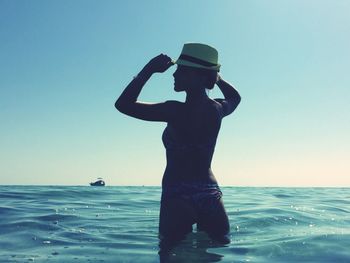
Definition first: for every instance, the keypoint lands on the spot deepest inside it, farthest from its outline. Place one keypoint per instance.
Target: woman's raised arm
(232, 97)
(127, 102)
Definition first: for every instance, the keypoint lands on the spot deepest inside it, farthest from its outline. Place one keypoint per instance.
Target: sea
(120, 224)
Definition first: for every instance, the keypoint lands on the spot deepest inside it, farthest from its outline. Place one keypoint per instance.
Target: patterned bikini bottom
(203, 197)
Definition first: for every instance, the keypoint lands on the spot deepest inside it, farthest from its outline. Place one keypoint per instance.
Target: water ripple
(83, 224)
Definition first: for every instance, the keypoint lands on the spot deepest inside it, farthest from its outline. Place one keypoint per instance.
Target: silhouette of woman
(190, 192)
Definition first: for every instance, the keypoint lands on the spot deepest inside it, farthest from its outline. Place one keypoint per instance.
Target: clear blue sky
(63, 64)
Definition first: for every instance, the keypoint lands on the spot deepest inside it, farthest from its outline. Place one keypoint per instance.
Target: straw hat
(199, 56)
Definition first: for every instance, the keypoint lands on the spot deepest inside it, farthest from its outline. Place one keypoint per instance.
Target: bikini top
(173, 141)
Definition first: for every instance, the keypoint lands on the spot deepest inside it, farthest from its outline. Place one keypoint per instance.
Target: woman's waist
(190, 185)
(195, 164)
(191, 189)
(190, 176)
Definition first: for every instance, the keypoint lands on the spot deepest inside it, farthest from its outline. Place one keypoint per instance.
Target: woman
(190, 193)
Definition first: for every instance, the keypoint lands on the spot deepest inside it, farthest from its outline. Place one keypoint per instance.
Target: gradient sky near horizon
(64, 63)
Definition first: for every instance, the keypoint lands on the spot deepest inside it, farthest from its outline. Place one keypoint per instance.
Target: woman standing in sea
(190, 192)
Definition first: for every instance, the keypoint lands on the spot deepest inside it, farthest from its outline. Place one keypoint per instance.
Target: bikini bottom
(203, 197)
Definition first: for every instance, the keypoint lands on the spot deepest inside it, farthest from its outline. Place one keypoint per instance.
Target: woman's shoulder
(215, 102)
(215, 106)
(209, 111)
(174, 103)
(219, 105)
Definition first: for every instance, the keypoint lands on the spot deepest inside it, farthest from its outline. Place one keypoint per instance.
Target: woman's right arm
(129, 96)
(232, 97)
(128, 104)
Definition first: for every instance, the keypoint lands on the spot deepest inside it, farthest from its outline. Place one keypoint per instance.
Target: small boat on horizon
(98, 182)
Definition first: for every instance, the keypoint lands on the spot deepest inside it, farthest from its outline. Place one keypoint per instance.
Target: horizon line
(238, 186)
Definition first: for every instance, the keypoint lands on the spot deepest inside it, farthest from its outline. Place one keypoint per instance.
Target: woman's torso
(190, 139)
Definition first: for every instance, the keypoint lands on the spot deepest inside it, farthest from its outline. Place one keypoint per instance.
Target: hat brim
(194, 65)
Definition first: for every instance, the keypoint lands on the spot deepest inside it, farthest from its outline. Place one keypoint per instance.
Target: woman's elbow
(236, 99)
(119, 106)
(239, 98)
(123, 107)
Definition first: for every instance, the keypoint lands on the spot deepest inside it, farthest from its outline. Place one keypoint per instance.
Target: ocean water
(120, 224)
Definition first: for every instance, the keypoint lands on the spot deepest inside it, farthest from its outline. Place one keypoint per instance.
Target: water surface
(120, 224)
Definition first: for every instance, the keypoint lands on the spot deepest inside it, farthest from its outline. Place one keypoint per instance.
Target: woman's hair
(210, 77)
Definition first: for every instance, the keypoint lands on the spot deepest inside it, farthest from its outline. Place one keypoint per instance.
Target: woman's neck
(193, 97)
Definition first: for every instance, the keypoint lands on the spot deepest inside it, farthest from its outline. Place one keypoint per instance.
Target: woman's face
(184, 78)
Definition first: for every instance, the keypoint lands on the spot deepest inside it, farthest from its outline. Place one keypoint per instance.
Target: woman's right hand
(159, 64)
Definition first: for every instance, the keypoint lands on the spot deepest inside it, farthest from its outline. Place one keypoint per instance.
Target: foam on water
(120, 224)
